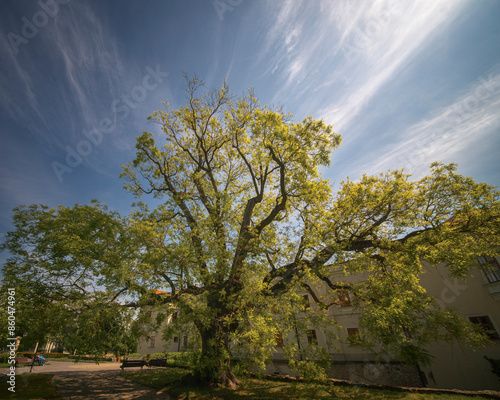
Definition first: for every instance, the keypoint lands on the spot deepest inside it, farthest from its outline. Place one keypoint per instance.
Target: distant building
(153, 342)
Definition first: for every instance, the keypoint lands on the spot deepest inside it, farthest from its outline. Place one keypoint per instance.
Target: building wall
(458, 366)
(368, 372)
(153, 343)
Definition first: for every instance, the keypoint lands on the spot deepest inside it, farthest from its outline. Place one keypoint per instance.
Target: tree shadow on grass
(102, 385)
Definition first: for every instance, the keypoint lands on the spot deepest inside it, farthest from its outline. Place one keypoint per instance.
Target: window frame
(488, 326)
(353, 336)
(312, 338)
(307, 302)
(490, 268)
(344, 298)
(279, 339)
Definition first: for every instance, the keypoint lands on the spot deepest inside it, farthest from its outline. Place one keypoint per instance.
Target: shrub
(135, 355)
(495, 366)
(309, 370)
(182, 359)
(53, 355)
(156, 355)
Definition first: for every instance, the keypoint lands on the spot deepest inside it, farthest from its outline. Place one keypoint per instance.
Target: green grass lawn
(252, 388)
(30, 386)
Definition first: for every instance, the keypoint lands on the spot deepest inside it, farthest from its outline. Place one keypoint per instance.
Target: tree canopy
(244, 224)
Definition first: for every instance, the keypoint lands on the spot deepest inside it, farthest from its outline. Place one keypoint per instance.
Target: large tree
(244, 224)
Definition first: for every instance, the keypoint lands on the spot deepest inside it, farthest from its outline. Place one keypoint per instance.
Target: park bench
(133, 362)
(22, 360)
(157, 362)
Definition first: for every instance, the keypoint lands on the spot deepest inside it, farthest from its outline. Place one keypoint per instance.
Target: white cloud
(8, 99)
(376, 43)
(345, 51)
(76, 45)
(445, 134)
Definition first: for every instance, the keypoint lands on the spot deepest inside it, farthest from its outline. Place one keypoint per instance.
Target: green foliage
(135, 355)
(245, 225)
(4, 358)
(495, 366)
(156, 355)
(68, 266)
(183, 358)
(100, 329)
(309, 370)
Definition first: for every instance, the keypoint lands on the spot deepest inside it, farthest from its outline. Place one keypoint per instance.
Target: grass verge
(30, 386)
(251, 388)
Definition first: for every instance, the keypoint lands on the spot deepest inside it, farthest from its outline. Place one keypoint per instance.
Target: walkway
(92, 381)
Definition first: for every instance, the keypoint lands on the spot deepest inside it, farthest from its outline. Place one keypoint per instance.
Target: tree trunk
(214, 367)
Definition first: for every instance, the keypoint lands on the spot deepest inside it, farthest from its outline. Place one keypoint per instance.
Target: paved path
(82, 381)
(68, 366)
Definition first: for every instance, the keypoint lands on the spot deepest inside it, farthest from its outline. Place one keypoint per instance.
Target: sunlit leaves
(244, 225)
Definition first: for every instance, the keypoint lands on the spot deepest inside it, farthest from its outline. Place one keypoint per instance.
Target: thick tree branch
(184, 209)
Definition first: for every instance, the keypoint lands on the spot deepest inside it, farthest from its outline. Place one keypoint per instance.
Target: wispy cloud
(79, 49)
(86, 50)
(445, 133)
(344, 51)
(377, 42)
(9, 98)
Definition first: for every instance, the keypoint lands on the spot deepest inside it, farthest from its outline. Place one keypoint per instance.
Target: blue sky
(405, 83)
